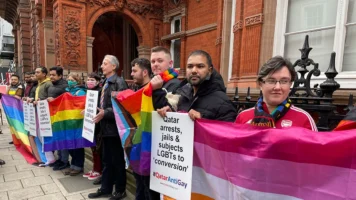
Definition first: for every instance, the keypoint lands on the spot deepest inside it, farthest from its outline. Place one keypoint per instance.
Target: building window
(331, 26)
(176, 43)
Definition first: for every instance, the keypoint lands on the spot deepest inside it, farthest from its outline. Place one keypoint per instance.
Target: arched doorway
(114, 35)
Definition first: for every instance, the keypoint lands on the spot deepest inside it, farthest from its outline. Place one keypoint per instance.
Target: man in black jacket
(59, 85)
(203, 93)
(58, 88)
(161, 60)
(114, 172)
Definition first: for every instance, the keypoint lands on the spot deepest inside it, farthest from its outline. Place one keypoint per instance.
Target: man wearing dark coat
(203, 93)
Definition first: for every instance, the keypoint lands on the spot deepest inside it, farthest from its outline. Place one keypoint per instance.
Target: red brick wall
(204, 41)
(201, 14)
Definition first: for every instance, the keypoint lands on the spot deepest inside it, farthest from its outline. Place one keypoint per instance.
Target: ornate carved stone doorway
(114, 35)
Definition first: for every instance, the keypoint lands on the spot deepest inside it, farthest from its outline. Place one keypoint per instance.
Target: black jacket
(108, 124)
(33, 90)
(58, 88)
(159, 95)
(210, 100)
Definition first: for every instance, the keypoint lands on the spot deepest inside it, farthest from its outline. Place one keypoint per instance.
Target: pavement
(21, 180)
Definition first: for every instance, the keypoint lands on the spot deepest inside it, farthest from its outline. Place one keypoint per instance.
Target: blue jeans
(78, 158)
(63, 155)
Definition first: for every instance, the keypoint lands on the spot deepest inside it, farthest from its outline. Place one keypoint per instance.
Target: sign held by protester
(44, 119)
(172, 155)
(26, 118)
(32, 119)
(90, 112)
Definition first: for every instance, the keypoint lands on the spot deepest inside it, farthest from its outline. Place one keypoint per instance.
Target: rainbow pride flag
(13, 109)
(133, 115)
(233, 161)
(67, 123)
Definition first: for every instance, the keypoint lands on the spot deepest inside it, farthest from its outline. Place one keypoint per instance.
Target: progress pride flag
(233, 161)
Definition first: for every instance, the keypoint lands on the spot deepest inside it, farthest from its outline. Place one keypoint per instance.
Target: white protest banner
(172, 155)
(44, 119)
(26, 115)
(32, 120)
(90, 112)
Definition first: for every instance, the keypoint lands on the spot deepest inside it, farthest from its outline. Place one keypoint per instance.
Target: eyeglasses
(274, 82)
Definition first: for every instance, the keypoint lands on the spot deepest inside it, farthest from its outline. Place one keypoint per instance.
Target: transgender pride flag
(234, 161)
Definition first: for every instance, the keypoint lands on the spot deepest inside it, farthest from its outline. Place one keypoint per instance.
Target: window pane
(306, 14)
(349, 63)
(351, 11)
(177, 26)
(176, 53)
(321, 41)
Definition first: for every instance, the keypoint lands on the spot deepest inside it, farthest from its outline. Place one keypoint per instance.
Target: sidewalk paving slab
(56, 196)
(25, 193)
(18, 176)
(12, 185)
(34, 181)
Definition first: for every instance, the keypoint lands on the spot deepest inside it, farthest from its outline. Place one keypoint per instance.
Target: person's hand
(99, 116)
(163, 111)
(29, 100)
(49, 99)
(24, 98)
(82, 112)
(156, 82)
(194, 114)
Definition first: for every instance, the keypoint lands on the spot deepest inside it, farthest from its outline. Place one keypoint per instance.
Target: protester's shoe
(88, 174)
(98, 194)
(57, 162)
(61, 166)
(97, 181)
(2, 162)
(75, 172)
(118, 196)
(11, 142)
(94, 176)
(67, 171)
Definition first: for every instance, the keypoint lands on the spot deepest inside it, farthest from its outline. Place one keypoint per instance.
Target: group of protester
(202, 94)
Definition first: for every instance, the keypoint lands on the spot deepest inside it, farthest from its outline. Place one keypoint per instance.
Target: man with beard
(16, 88)
(57, 88)
(203, 93)
(29, 83)
(141, 73)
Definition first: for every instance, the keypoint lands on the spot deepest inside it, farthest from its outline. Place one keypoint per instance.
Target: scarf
(264, 119)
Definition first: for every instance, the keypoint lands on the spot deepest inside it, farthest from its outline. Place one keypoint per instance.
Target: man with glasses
(274, 109)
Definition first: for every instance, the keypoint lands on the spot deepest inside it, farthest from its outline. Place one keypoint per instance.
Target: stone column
(225, 46)
(90, 41)
(49, 55)
(144, 51)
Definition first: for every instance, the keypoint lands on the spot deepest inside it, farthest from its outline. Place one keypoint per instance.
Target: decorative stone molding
(72, 36)
(237, 26)
(156, 34)
(174, 36)
(191, 32)
(218, 41)
(102, 3)
(202, 29)
(90, 41)
(50, 49)
(143, 9)
(56, 36)
(254, 19)
(48, 23)
(179, 11)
